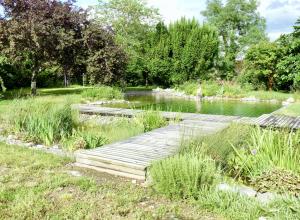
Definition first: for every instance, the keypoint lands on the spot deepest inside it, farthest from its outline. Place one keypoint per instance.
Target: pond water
(147, 100)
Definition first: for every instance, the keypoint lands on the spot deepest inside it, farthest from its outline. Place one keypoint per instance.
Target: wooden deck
(131, 157)
(278, 121)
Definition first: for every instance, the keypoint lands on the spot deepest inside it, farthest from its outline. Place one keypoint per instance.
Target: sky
(280, 14)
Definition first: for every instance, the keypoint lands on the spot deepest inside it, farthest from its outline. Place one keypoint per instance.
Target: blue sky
(280, 14)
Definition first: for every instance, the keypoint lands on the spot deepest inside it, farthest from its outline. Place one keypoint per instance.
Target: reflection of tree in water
(198, 105)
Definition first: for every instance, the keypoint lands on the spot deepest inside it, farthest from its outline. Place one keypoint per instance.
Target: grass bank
(234, 90)
(48, 119)
(36, 185)
(291, 110)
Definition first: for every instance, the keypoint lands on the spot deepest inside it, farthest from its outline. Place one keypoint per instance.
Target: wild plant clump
(151, 120)
(102, 93)
(278, 180)
(42, 121)
(267, 149)
(184, 175)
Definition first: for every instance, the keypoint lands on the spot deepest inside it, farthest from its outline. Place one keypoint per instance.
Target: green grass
(36, 185)
(102, 93)
(50, 121)
(41, 121)
(291, 110)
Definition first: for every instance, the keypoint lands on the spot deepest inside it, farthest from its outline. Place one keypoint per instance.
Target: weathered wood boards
(278, 121)
(131, 158)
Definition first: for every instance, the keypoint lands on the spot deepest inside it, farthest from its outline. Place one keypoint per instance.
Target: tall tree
(239, 25)
(184, 51)
(41, 31)
(132, 21)
(105, 60)
(261, 61)
(297, 28)
(70, 22)
(26, 31)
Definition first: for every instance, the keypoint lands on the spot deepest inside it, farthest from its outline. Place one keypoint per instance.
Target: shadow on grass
(25, 92)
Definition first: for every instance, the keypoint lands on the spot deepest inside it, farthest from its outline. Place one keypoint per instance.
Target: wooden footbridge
(132, 157)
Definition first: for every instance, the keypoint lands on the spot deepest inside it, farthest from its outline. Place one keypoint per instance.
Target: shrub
(277, 180)
(102, 93)
(84, 138)
(151, 120)
(219, 146)
(267, 149)
(184, 175)
(189, 88)
(42, 121)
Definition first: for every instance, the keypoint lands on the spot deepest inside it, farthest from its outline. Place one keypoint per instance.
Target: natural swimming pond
(147, 100)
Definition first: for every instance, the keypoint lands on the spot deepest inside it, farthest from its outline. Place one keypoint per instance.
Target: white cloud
(281, 16)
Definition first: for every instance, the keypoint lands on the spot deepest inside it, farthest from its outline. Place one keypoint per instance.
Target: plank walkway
(277, 121)
(132, 157)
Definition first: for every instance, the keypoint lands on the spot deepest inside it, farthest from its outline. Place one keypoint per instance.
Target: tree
(41, 31)
(26, 32)
(132, 21)
(239, 25)
(261, 61)
(289, 65)
(184, 51)
(70, 23)
(297, 28)
(105, 60)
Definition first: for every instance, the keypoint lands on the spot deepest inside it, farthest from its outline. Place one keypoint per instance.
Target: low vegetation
(234, 90)
(48, 119)
(184, 175)
(36, 185)
(41, 120)
(102, 93)
(291, 110)
(263, 158)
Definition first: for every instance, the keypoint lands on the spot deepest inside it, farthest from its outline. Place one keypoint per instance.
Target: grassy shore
(234, 90)
(291, 110)
(36, 185)
(48, 118)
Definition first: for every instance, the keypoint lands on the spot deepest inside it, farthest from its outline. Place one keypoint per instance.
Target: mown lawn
(36, 185)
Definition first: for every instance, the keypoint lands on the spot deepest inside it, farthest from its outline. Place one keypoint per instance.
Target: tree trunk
(33, 84)
(270, 82)
(66, 81)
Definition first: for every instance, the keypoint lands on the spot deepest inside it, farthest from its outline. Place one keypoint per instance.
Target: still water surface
(147, 100)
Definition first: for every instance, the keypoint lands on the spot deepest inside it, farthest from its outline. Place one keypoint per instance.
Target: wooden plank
(110, 166)
(118, 161)
(133, 160)
(112, 172)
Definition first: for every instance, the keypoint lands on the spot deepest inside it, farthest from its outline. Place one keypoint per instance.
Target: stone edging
(55, 149)
(175, 93)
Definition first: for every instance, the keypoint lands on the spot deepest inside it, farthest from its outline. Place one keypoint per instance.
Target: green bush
(267, 149)
(184, 175)
(42, 121)
(189, 88)
(219, 146)
(102, 93)
(83, 138)
(151, 120)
